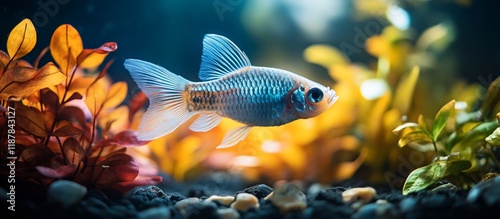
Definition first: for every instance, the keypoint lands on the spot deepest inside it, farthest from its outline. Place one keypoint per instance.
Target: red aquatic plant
(60, 123)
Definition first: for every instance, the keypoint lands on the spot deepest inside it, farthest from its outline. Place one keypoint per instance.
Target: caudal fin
(167, 109)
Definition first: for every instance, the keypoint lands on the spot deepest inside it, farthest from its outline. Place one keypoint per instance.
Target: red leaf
(67, 130)
(30, 120)
(37, 154)
(91, 58)
(123, 166)
(127, 138)
(137, 102)
(60, 172)
(74, 96)
(73, 114)
(73, 150)
(50, 100)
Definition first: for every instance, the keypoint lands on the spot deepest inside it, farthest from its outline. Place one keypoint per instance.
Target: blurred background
(370, 51)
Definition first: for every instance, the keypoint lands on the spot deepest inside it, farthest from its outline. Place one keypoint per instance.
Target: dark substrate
(326, 203)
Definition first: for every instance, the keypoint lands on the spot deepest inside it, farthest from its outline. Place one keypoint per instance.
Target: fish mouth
(333, 96)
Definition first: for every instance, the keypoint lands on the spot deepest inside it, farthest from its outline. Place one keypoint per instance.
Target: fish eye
(315, 95)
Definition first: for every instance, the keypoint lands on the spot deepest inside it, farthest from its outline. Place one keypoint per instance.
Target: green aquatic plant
(465, 143)
(58, 122)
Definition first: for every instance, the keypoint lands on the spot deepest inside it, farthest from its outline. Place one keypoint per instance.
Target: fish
(231, 87)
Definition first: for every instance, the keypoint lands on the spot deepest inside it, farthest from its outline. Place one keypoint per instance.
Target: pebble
(407, 204)
(445, 188)
(224, 200)
(487, 192)
(362, 195)
(150, 192)
(332, 195)
(65, 193)
(228, 213)
(183, 205)
(316, 188)
(288, 198)
(380, 209)
(260, 191)
(153, 213)
(245, 201)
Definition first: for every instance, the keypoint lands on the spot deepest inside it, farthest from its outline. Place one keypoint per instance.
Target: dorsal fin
(220, 57)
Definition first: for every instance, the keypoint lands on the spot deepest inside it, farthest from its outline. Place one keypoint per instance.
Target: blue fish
(232, 88)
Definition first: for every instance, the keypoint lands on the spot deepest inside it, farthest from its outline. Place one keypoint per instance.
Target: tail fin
(167, 109)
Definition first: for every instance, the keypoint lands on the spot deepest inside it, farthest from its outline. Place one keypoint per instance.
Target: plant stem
(435, 148)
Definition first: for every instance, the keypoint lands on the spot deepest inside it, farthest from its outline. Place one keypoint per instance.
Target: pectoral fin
(234, 136)
(205, 122)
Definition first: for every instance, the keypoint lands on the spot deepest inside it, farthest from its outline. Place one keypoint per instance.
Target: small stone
(288, 198)
(153, 213)
(316, 188)
(245, 201)
(332, 195)
(407, 204)
(381, 209)
(260, 191)
(228, 213)
(362, 195)
(184, 205)
(150, 192)
(487, 192)
(445, 188)
(65, 193)
(224, 200)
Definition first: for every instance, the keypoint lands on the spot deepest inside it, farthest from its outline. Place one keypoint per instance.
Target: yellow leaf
(95, 97)
(115, 121)
(116, 94)
(324, 55)
(65, 46)
(22, 39)
(403, 94)
(23, 81)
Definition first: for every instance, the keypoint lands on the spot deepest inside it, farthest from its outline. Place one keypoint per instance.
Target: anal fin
(234, 136)
(205, 122)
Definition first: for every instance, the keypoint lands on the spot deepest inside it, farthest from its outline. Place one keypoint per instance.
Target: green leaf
(424, 177)
(445, 113)
(456, 167)
(418, 136)
(478, 133)
(458, 134)
(409, 125)
(491, 99)
(494, 138)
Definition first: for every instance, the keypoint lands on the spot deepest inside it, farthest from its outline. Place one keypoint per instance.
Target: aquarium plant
(68, 123)
(465, 143)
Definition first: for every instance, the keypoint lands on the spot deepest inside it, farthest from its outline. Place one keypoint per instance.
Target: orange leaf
(95, 97)
(91, 58)
(22, 81)
(22, 39)
(116, 94)
(65, 46)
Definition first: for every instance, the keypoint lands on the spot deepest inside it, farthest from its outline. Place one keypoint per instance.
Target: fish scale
(253, 96)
